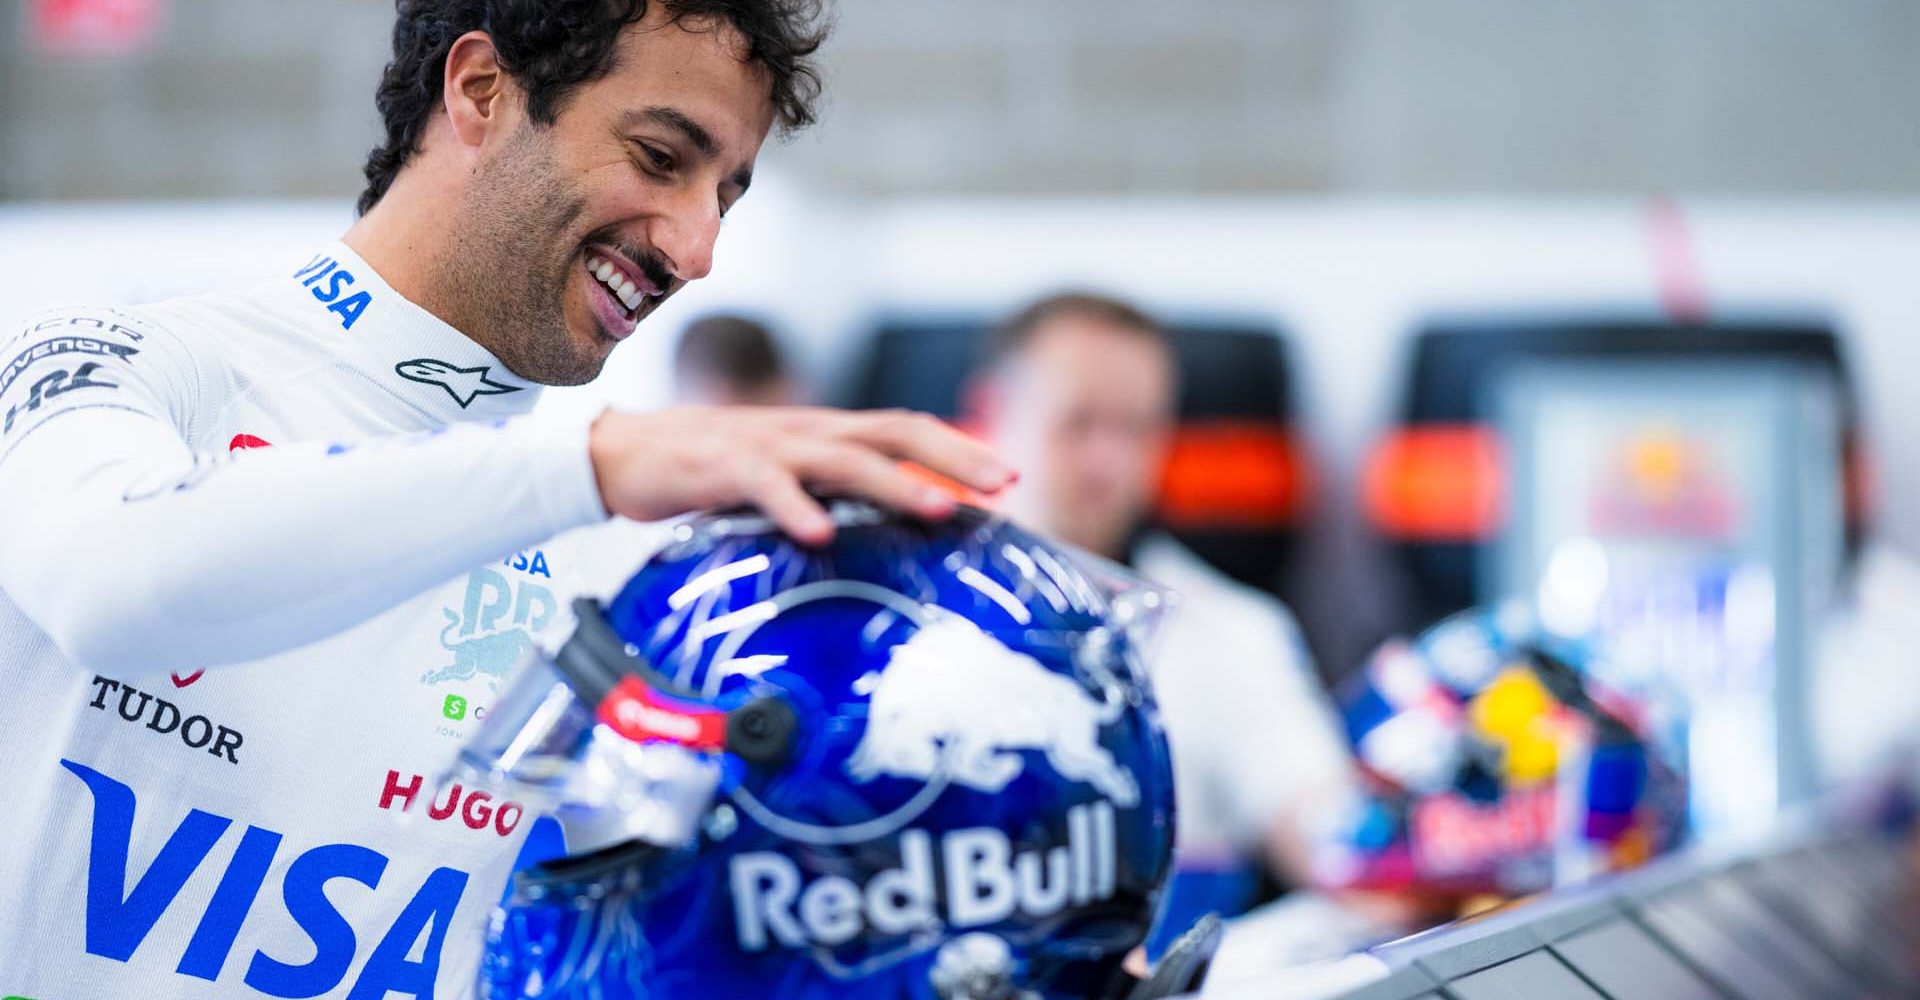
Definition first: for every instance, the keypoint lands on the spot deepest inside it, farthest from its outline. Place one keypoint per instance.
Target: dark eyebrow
(696, 133)
(677, 120)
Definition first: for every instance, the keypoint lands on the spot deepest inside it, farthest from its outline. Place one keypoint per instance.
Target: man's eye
(659, 158)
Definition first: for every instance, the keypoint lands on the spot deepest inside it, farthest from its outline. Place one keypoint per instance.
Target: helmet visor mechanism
(749, 721)
(626, 757)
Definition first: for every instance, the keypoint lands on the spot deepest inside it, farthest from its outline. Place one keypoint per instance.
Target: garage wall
(239, 98)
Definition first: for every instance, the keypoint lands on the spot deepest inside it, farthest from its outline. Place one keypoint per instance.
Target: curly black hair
(552, 47)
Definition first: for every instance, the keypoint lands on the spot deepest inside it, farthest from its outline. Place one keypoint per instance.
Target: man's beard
(502, 278)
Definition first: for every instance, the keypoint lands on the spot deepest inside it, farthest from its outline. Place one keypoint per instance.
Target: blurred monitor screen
(1686, 511)
(1436, 488)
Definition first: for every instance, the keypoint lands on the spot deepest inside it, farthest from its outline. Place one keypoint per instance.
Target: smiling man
(547, 218)
(268, 554)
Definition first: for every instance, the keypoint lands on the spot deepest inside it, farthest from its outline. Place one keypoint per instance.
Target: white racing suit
(264, 560)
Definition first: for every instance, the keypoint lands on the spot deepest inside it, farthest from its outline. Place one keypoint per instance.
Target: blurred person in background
(719, 360)
(729, 360)
(253, 580)
(1080, 389)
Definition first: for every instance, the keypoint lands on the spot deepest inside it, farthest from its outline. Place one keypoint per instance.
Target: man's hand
(656, 465)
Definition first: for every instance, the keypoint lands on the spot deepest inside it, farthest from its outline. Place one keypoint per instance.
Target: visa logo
(534, 566)
(119, 917)
(329, 281)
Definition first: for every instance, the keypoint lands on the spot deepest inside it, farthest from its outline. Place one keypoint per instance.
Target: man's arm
(134, 554)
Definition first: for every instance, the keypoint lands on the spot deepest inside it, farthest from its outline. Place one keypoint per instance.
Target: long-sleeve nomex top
(265, 558)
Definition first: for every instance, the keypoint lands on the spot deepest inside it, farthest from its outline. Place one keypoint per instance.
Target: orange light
(1437, 483)
(1860, 484)
(1233, 474)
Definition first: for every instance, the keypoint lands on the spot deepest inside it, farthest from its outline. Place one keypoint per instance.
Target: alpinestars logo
(463, 384)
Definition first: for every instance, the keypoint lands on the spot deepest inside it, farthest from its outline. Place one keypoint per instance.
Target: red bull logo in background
(954, 701)
(1662, 482)
(1452, 834)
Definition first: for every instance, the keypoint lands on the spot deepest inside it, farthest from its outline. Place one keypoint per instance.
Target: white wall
(244, 97)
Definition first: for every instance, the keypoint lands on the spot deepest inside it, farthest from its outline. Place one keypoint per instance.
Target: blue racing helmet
(919, 762)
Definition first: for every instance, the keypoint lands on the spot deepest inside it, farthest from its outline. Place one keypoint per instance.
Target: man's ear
(475, 89)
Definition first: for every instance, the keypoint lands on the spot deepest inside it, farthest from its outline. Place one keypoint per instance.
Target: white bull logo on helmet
(954, 700)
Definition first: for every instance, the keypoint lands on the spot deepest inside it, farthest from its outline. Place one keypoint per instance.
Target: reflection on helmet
(975, 790)
(1498, 763)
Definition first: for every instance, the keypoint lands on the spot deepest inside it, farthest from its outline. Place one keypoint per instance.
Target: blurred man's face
(696, 389)
(574, 232)
(1085, 411)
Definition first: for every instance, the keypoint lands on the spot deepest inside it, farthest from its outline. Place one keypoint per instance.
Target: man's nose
(1114, 446)
(686, 236)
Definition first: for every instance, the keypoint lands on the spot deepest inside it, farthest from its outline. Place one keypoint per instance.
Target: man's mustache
(650, 263)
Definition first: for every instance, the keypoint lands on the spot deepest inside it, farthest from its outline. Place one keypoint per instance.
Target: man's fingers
(930, 442)
(696, 458)
(854, 469)
(780, 496)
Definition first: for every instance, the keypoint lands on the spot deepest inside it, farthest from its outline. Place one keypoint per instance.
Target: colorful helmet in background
(1498, 763)
(921, 761)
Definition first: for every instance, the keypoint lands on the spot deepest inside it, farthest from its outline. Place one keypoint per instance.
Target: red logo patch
(180, 682)
(247, 441)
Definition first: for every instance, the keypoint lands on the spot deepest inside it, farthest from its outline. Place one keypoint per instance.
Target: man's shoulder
(170, 320)
(123, 324)
(89, 346)
(211, 330)
(1161, 558)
